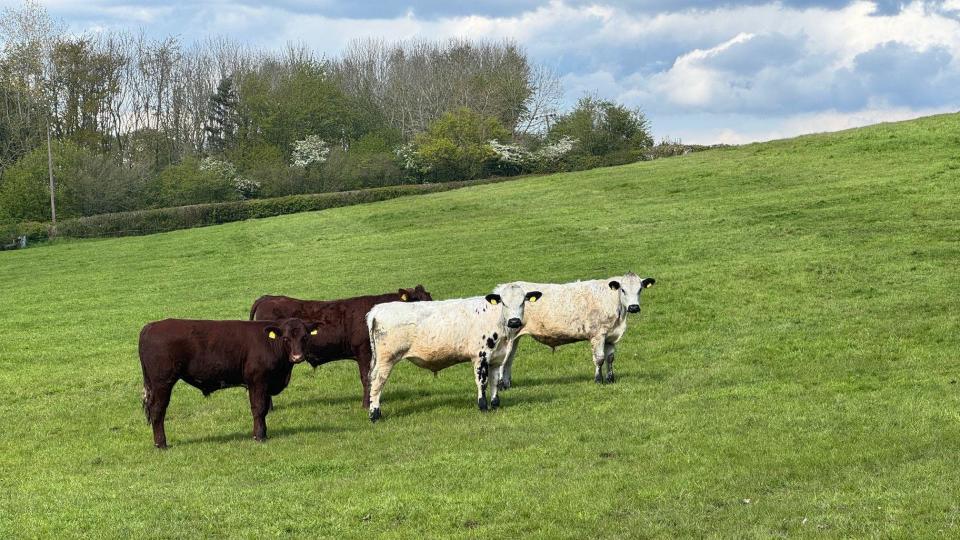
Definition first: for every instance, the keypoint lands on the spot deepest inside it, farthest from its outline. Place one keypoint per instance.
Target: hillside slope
(795, 368)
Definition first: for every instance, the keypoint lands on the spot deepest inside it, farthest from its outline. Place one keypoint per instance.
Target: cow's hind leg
(363, 364)
(156, 398)
(259, 406)
(609, 350)
(598, 344)
(378, 378)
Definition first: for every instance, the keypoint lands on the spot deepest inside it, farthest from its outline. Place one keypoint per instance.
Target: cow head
(291, 336)
(416, 294)
(629, 287)
(511, 299)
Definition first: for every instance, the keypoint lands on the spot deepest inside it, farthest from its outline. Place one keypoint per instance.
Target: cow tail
(147, 399)
(371, 331)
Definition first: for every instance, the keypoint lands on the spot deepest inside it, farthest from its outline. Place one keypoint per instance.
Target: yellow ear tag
(533, 298)
(272, 335)
(647, 286)
(493, 301)
(403, 297)
(313, 332)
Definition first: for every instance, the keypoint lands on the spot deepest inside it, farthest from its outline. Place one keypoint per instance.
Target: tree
(457, 145)
(221, 125)
(602, 127)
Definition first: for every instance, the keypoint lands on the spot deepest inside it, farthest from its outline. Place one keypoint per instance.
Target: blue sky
(733, 71)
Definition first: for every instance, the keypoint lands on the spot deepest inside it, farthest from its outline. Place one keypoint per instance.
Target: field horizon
(794, 370)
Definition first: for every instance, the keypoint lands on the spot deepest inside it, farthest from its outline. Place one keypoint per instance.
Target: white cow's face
(629, 287)
(511, 300)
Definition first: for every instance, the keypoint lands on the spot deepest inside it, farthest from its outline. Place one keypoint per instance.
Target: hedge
(157, 220)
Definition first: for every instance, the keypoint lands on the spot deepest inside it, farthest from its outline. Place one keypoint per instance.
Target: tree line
(136, 122)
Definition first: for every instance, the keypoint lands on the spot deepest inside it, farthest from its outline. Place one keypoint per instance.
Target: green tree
(456, 145)
(222, 119)
(602, 127)
(186, 183)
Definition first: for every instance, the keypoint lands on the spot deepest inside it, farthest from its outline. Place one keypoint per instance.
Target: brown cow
(343, 323)
(211, 355)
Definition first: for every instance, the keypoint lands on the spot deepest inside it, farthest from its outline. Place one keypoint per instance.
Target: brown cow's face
(292, 335)
(416, 294)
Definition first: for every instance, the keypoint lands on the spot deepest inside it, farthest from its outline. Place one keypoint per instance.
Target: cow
(344, 334)
(594, 311)
(211, 355)
(437, 335)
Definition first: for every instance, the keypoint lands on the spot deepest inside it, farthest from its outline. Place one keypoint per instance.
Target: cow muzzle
(296, 358)
(514, 323)
(633, 308)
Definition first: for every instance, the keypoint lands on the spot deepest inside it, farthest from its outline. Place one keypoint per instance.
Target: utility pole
(53, 189)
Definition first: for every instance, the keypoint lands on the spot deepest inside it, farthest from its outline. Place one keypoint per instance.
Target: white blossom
(224, 169)
(312, 149)
(555, 151)
(512, 154)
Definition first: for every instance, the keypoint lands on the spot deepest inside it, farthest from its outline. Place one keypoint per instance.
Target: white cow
(436, 335)
(594, 311)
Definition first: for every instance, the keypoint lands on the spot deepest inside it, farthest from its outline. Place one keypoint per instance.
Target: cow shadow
(277, 433)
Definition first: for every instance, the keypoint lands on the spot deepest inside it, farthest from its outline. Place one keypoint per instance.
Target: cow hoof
(598, 379)
(610, 378)
(495, 403)
(482, 403)
(161, 446)
(260, 439)
(375, 414)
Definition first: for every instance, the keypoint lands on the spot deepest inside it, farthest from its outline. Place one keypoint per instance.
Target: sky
(703, 72)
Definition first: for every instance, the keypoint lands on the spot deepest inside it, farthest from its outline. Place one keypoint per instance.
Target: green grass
(800, 351)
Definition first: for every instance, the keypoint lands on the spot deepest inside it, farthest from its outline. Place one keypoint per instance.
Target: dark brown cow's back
(343, 326)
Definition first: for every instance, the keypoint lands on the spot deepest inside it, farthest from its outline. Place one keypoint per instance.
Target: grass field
(794, 371)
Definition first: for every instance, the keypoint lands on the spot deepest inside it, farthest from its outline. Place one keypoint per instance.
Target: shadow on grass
(248, 435)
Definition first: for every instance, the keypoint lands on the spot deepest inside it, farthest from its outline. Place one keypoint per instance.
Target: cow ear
(647, 282)
(533, 296)
(272, 332)
(493, 299)
(419, 288)
(615, 285)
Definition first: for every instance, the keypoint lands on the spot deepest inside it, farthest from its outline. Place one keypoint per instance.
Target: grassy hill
(794, 371)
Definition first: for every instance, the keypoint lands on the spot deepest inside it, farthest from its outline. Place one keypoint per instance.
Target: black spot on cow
(483, 369)
(495, 336)
(491, 343)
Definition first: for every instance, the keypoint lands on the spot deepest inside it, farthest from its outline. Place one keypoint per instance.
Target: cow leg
(155, 402)
(481, 368)
(363, 364)
(378, 378)
(506, 370)
(495, 386)
(599, 357)
(609, 350)
(259, 406)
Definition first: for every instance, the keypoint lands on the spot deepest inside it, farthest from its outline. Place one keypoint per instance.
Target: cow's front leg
(599, 357)
(495, 386)
(259, 406)
(481, 368)
(609, 350)
(506, 370)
